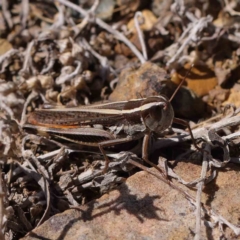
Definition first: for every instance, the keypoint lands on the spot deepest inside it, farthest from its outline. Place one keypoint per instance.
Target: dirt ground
(151, 86)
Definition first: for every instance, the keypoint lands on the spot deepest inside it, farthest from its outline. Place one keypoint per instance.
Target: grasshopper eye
(157, 115)
(152, 117)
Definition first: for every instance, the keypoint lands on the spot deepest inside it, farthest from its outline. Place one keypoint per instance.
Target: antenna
(181, 83)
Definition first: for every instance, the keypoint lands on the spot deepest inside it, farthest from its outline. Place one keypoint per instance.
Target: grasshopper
(107, 124)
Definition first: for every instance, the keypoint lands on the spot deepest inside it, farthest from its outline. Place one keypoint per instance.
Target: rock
(146, 208)
(151, 80)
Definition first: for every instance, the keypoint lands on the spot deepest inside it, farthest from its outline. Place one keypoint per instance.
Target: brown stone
(146, 208)
(151, 80)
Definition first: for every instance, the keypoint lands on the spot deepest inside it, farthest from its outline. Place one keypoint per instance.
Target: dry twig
(108, 28)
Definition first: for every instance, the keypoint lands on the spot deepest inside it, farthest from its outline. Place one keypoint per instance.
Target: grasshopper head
(157, 114)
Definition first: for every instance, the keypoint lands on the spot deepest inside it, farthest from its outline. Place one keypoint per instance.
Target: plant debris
(68, 53)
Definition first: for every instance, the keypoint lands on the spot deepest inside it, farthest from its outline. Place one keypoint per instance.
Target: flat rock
(146, 208)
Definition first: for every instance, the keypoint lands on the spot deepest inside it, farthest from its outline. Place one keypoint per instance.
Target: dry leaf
(148, 22)
(233, 98)
(105, 9)
(4, 46)
(200, 80)
(127, 6)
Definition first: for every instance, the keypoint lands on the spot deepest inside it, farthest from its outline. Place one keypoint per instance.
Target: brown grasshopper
(107, 124)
